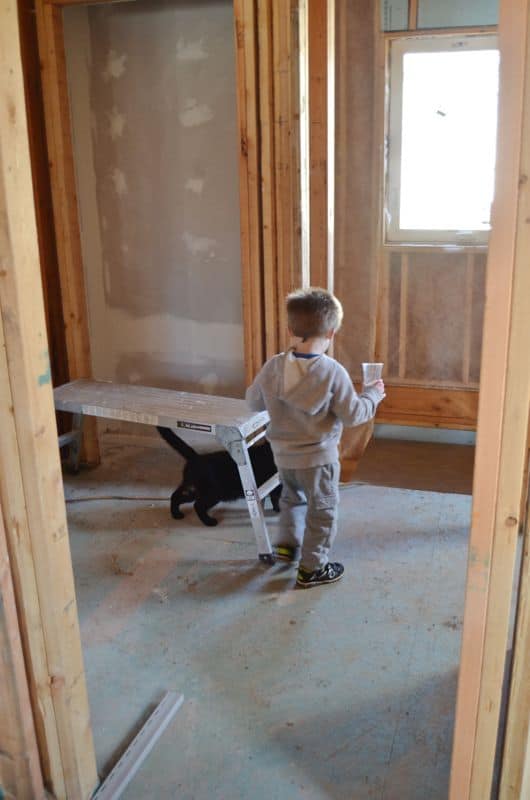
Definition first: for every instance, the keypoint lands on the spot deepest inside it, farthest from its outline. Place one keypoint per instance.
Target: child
(309, 397)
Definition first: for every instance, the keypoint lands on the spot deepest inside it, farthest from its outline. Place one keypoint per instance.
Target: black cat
(210, 478)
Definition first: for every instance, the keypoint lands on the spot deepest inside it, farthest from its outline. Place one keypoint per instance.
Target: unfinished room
(264, 327)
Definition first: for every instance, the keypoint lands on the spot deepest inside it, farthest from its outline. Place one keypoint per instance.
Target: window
(442, 131)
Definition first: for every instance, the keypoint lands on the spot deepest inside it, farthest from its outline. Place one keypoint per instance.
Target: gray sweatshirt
(307, 412)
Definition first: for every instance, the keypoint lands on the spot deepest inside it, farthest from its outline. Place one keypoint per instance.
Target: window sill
(410, 247)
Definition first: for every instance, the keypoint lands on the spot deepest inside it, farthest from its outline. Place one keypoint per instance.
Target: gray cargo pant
(309, 511)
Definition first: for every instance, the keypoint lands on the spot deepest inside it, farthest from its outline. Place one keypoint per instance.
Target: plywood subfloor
(428, 466)
(340, 692)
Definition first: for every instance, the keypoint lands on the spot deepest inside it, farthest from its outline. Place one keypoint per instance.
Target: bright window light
(442, 139)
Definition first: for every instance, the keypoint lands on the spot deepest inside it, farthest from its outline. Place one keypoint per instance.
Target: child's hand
(380, 386)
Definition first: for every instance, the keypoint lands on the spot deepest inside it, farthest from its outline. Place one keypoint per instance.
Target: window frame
(397, 49)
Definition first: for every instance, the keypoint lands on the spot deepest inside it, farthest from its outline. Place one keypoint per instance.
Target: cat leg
(178, 497)
(202, 507)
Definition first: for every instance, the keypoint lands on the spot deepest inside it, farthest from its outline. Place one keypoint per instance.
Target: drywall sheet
(457, 14)
(355, 274)
(153, 102)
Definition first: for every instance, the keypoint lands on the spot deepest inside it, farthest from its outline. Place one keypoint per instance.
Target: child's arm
(351, 408)
(254, 397)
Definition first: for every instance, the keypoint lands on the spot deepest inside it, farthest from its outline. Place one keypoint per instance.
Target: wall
(153, 103)
(418, 309)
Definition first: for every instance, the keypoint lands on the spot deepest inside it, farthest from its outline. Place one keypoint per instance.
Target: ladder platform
(150, 406)
(229, 420)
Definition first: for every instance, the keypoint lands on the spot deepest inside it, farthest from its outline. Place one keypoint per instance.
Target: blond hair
(313, 312)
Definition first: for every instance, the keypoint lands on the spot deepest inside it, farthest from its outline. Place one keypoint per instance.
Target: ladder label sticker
(250, 497)
(196, 426)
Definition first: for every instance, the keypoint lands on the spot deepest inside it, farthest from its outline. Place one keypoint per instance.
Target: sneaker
(283, 552)
(332, 572)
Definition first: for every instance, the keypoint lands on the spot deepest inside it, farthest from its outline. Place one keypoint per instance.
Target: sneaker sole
(310, 585)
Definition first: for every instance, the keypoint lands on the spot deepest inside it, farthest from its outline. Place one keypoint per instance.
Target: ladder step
(267, 487)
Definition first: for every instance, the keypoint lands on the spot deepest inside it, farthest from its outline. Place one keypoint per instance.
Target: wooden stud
(502, 426)
(20, 774)
(25, 580)
(403, 313)
(287, 156)
(466, 356)
(381, 299)
(35, 504)
(383, 307)
(250, 185)
(294, 59)
(515, 774)
(413, 15)
(330, 156)
(42, 192)
(305, 143)
(268, 182)
(283, 123)
(64, 195)
(318, 142)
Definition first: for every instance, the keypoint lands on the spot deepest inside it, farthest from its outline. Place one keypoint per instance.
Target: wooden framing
(403, 303)
(320, 33)
(515, 775)
(277, 37)
(64, 196)
(413, 15)
(305, 171)
(42, 192)
(30, 473)
(287, 173)
(406, 391)
(429, 407)
(250, 184)
(502, 427)
(20, 773)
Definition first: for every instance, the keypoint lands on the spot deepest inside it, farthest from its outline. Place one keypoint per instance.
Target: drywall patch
(209, 382)
(195, 185)
(199, 245)
(115, 66)
(195, 114)
(116, 124)
(191, 51)
(119, 181)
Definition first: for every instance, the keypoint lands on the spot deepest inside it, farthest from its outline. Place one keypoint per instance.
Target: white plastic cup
(372, 372)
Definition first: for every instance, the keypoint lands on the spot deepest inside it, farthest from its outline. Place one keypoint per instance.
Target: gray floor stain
(346, 691)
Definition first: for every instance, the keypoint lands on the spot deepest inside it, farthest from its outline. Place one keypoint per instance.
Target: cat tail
(176, 443)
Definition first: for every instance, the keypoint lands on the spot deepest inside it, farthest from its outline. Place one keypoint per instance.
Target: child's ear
(330, 335)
